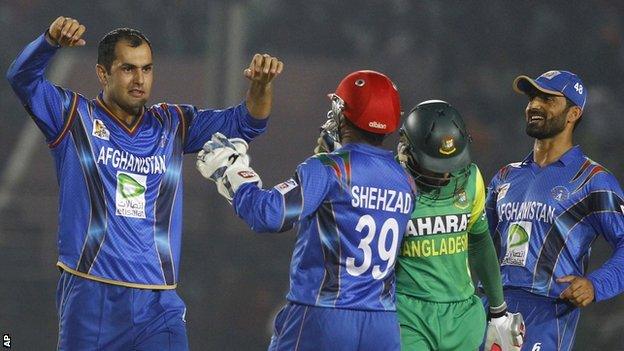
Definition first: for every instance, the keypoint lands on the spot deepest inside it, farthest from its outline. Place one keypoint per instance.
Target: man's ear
(101, 74)
(574, 114)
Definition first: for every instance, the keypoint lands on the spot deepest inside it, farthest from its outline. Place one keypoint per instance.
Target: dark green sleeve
(483, 260)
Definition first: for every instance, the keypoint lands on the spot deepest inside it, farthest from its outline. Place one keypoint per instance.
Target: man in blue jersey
(545, 211)
(119, 170)
(349, 207)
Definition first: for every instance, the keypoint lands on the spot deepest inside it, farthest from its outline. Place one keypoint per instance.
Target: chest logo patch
(461, 199)
(100, 130)
(130, 197)
(560, 193)
(518, 236)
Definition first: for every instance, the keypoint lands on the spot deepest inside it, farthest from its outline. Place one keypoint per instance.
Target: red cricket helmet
(371, 101)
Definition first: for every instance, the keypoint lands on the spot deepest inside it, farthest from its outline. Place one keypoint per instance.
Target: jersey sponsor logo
(435, 247)
(433, 225)
(130, 197)
(100, 130)
(126, 161)
(461, 199)
(381, 199)
(560, 193)
(502, 191)
(377, 125)
(448, 145)
(518, 236)
(529, 210)
(286, 186)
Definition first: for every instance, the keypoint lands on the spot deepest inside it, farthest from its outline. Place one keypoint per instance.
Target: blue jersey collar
(574, 154)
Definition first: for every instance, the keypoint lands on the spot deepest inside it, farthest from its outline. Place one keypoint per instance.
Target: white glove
(505, 333)
(222, 157)
(326, 142)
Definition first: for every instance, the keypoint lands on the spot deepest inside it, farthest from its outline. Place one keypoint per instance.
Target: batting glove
(505, 332)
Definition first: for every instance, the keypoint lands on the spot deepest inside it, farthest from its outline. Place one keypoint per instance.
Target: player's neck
(547, 151)
(126, 117)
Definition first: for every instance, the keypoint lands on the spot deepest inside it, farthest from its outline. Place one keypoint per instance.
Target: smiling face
(128, 83)
(546, 115)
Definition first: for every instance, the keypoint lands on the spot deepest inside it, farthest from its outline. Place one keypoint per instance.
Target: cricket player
(118, 165)
(546, 211)
(446, 235)
(349, 207)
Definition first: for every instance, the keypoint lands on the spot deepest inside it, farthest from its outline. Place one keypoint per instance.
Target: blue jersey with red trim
(350, 209)
(120, 217)
(544, 220)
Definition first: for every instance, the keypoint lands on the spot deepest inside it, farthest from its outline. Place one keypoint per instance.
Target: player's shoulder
(474, 170)
(595, 176)
(318, 161)
(505, 171)
(165, 107)
(168, 111)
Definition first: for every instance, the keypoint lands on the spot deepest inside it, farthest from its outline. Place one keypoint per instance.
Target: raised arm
(247, 120)
(46, 103)
(262, 69)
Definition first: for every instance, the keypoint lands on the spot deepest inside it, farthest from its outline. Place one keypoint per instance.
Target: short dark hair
(106, 47)
(371, 138)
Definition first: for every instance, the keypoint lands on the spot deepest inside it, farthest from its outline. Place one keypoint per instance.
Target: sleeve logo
(502, 191)
(286, 186)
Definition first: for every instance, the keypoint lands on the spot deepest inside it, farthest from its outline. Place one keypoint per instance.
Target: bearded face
(546, 115)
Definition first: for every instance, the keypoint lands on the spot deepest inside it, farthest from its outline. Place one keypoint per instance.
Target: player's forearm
(608, 280)
(28, 69)
(259, 99)
(483, 260)
(261, 209)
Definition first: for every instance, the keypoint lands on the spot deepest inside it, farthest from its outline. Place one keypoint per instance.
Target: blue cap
(559, 83)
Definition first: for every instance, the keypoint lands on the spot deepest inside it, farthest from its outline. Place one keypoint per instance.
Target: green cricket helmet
(435, 140)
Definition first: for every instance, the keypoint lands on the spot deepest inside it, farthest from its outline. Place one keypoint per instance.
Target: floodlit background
(233, 281)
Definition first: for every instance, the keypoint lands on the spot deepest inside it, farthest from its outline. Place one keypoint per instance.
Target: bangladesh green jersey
(433, 260)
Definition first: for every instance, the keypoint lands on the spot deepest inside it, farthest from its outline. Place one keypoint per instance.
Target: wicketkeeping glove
(505, 333)
(225, 161)
(326, 141)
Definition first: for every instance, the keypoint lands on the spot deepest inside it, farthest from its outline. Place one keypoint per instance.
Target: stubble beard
(548, 128)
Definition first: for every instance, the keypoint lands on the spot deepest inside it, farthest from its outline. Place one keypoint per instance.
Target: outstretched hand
(65, 31)
(263, 68)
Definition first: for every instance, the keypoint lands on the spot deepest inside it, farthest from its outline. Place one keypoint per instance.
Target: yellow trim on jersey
(115, 282)
(478, 206)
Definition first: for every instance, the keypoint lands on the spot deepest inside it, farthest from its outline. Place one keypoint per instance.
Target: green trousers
(440, 326)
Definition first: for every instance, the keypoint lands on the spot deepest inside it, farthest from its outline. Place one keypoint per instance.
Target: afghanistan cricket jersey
(433, 260)
(350, 208)
(120, 206)
(544, 220)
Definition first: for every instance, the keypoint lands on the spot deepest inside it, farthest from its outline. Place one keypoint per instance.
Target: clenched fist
(65, 31)
(263, 68)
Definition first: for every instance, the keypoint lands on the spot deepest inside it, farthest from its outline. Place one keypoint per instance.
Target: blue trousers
(99, 316)
(309, 328)
(550, 323)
